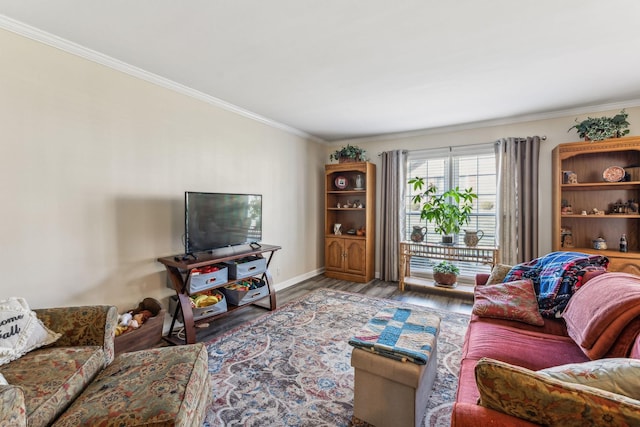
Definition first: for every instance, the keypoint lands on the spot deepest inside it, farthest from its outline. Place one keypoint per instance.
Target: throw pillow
(617, 375)
(529, 395)
(498, 273)
(20, 330)
(511, 301)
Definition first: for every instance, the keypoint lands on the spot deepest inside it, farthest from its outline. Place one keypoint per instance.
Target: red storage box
(246, 291)
(207, 277)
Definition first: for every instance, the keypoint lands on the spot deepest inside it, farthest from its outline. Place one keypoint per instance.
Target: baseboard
(295, 280)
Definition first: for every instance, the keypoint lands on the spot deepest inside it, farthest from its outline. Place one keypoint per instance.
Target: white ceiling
(337, 69)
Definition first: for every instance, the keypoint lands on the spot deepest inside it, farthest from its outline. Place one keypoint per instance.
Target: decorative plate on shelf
(613, 174)
(341, 182)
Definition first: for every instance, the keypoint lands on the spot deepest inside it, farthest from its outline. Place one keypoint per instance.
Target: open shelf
(576, 232)
(176, 265)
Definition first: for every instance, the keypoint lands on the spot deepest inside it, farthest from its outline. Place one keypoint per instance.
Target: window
(469, 166)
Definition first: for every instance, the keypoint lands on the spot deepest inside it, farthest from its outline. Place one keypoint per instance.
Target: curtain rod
(542, 138)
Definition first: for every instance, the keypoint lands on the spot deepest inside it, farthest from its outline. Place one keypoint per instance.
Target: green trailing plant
(445, 267)
(599, 128)
(349, 152)
(448, 211)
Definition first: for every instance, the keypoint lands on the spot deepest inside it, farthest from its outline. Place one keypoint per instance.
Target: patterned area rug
(291, 367)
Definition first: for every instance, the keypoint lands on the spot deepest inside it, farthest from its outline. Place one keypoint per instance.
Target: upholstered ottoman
(166, 386)
(395, 361)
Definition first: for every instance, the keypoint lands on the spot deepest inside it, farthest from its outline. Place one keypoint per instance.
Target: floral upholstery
(13, 408)
(88, 325)
(45, 381)
(541, 399)
(52, 378)
(167, 386)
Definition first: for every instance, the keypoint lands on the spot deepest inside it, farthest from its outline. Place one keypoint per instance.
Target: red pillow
(512, 301)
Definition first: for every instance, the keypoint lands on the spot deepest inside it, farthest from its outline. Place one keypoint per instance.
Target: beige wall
(94, 164)
(555, 130)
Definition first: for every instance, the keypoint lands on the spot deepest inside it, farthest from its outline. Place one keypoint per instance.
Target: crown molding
(49, 39)
(36, 34)
(577, 111)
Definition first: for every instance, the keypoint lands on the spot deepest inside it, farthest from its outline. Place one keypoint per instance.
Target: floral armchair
(44, 382)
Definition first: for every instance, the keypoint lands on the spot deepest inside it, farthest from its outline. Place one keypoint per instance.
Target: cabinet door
(356, 260)
(334, 254)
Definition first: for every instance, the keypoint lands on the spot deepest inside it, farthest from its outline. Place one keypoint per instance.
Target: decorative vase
(600, 244)
(445, 279)
(471, 237)
(359, 184)
(418, 233)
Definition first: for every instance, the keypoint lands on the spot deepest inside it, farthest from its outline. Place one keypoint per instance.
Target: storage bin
(244, 296)
(246, 267)
(147, 335)
(199, 312)
(204, 278)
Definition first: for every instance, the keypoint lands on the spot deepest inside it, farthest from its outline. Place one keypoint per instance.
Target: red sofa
(521, 344)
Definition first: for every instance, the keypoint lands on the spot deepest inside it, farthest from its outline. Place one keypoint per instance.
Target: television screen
(216, 220)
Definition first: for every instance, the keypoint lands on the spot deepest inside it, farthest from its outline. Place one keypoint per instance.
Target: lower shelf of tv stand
(463, 290)
(262, 303)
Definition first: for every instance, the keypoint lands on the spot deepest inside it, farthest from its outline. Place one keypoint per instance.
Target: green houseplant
(599, 128)
(448, 211)
(350, 153)
(445, 273)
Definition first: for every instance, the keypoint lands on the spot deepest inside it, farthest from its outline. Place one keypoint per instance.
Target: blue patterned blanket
(400, 334)
(555, 277)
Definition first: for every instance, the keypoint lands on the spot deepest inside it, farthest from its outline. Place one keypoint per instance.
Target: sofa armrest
(481, 279)
(93, 325)
(13, 411)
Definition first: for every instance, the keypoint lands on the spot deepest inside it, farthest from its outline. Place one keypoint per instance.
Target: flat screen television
(216, 220)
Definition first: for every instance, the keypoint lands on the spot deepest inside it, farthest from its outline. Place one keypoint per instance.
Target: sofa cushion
(51, 378)
(20, 330)
(600, 313)
(527, 346)
(513, 300)
(535, 397)
(12, 413)
(168, 386)
(533, 347)
(617, 375)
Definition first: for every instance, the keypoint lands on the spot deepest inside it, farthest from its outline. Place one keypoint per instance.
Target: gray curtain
(517, 166)
(394, 165)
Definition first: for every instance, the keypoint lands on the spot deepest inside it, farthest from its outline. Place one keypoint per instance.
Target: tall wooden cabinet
(350, 201)
(584, 180)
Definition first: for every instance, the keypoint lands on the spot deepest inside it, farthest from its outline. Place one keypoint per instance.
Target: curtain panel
(517, 228)
(393, 185)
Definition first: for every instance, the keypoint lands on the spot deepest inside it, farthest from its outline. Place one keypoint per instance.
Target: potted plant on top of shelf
(448, 211)
(445, 274)
(347, 154)
(599, 128)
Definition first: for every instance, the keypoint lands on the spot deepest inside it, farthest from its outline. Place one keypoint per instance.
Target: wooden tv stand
(180, 264)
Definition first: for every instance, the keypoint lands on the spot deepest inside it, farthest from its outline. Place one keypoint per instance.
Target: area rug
(291, 367)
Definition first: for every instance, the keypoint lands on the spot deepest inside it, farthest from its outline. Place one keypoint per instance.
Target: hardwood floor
(375, 288)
